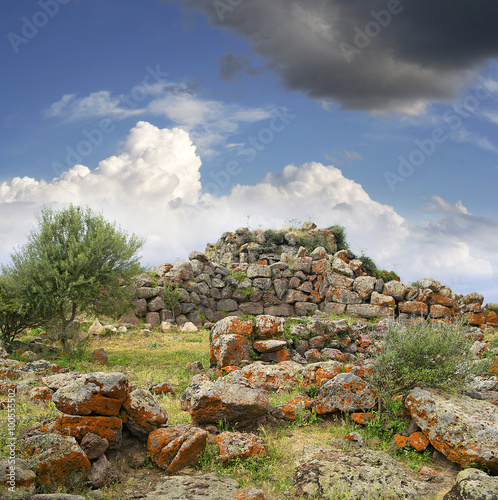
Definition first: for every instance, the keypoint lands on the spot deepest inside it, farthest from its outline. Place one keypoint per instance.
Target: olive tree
(74, 261)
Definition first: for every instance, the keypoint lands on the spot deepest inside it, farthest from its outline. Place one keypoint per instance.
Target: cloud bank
(152, 187)
(374, 55)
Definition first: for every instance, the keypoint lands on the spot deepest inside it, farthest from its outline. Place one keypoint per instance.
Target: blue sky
(182, 120)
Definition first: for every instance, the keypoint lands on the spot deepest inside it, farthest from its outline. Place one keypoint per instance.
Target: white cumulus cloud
(152, 187)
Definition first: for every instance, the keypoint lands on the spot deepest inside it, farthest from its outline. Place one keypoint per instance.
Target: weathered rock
(249, 493)
(473, 298)
(103, 473)
(93, 394)
(94, 446)
(55, 459)
(414, 307)
(340, 267)
(364, 286)
(395, 289)
(232, 324)
(198, 487)
(269, 326)
(141, 413)
(230, 350)
(78, 427)
(238, 445)
(282, 376)
(378, 299)
(345, 392)
(17, 480)
(55, 382)
(177, 446)
(297, 406)
(368, 310)
(209, 402)
(434, 285)
(462, 428)
(96, 328)
(474, 484)
(99, 357)
(319, 373)
(269, 345)
(359, 473)
(258, 271)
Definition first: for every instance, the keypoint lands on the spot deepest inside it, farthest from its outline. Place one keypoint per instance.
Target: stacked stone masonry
(239, 277)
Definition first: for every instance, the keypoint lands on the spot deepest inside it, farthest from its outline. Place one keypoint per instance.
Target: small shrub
(368, 265)
(171, 296)
(247, 292)
(340, 237)
(423, 355)
(387, 276)
(415, 284)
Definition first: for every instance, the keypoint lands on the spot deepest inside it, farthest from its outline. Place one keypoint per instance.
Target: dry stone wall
(273, 273)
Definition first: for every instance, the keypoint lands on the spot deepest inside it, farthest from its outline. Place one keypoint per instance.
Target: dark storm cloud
(392, 55)
(232, 66)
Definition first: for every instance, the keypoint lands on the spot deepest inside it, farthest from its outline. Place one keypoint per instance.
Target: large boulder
(177, 446)
(230, 350)
(93, 394)
(474, 484)
(345, 392)
(141, 413)
(202, 487)
(462, 428)
(77, 426)
(55, 459)
(282, 376)
(231, 401)
(17, 480)
(319, 373)
(359, 473)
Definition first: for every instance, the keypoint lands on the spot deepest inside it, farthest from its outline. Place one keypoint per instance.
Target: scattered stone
(99, 357)
(96, 328)
(238, 445)
(176, 446)
(189, 327)
(162, 388)
(201, 487)
(248, 493)
(94, 393)
(224, 400)
(345, 392)
(22, 478)
(141, 413)
(55, 459)
(102, 473)
(94, 446)
(230, 349)
(358, 473)
(473, 484)
(462, 428)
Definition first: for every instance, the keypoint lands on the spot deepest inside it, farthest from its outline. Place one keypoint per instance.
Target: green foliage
(386, 276)
(247, 292)
(318, 240)
(368, 265)
(172, 297)
(240, 277)
(312, 391)
(74, 261)
(154, 345)
(424, 355)
(340, 237)
(272, 240)
(415, 284)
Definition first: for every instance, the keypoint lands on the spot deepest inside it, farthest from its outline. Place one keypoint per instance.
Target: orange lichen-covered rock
(220, 372)
(358, 370)
(475, 319)
(248, 493)
(8, 367)
(414, 307)
(276, 356)
(319, 373)
(418, 441)
(400, 441)
(439, 311)
(55, 459)
(292, 407)
(231, 349)
(362, 418)
(238, 445)
(444, 299)
(229, 399)
(162, 388)
(321, 266)
(78, 427)
(494, 366)
(17, 481)
(378, 299)
(317, 342)
(177, 446)
(462, 428)
(269, 326)
(141, 413)
(334, 355)
(491, 317)
(93, 394)
(368, 310)
(282, 376)
(269, 345)
(345, 392)
(232, 324)
(41, 394)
